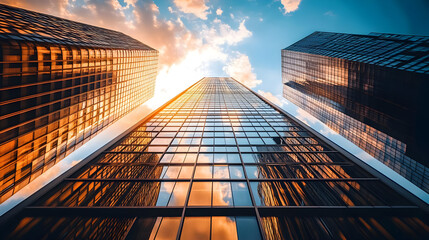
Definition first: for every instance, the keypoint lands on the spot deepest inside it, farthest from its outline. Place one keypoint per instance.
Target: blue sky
(241, 38)
(272, 29)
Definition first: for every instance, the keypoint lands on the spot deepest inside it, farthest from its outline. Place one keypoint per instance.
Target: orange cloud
(290, 5)
(185, 55)
(196, 7)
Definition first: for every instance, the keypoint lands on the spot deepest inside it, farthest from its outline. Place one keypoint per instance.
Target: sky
(238, 38)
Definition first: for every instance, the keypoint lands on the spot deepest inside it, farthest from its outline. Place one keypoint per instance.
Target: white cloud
(172, 79)
(325, 131)
(222, 33)
(185, 55)
(305, 117)
(279, 101)
(196, 7)
(231, 15)
(290, 5)
(261, 19)
(240, 68)
(329, 14)
(131, 2)
(219, 11)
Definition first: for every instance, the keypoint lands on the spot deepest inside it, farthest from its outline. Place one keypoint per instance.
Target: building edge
(44, 189)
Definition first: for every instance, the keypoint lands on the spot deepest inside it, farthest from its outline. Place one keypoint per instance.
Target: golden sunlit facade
(218, 162)
(62, 82)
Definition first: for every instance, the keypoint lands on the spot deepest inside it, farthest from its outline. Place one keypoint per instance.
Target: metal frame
(187, 210)
(404, 192)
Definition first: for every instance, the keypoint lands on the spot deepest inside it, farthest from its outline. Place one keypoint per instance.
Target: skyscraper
(220, 162)
(371, 89)
(61, 82)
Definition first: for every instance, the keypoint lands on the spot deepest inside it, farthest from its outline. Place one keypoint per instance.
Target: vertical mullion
(258, 217)
(182, 219)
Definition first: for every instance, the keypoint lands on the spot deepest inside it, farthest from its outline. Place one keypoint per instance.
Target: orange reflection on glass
(186, 172)
(201, 194)
(191, 158)
(196, 228)
(168, 227)
(224, 228)
(179, 194)
(203, 172)
(222, 194)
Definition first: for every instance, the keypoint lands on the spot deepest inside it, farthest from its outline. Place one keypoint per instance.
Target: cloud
(219, 11)
(46, 6)
(240, 68)
(329, 14)
(130, 2)
(185, 54)
(325, 131)
(290, 5)
(305, 117)
(196, 7)
(279, 101)
(172, 79)
(222, 33)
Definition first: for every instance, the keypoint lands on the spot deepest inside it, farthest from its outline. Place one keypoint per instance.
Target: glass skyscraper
(371, 89)
(220, 162)
(61, 82)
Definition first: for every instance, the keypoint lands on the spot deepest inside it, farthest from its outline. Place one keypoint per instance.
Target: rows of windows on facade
(218, 162)
(372, 89)
(62, 82)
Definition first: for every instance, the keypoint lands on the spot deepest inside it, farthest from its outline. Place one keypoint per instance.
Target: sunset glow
(214, 119)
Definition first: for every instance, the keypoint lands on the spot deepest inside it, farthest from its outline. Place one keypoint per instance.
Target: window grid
(61, 83)
(164, 185)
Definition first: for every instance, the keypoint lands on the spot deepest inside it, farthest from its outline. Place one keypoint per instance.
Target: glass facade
(371, 89)
(61, 82)
(218, 162)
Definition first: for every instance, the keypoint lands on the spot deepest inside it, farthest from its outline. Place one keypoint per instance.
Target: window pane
(222, 195)
(220, 158)
(236, 172)
(201, 194)
(164, 193)
(221, 172)
(224, 228)
(234, 158)
(196, 228)
(205, 158)
(241, 194)
(203, 172)
(168, 228)
(248, 228)
(186, 172)
(179, 194)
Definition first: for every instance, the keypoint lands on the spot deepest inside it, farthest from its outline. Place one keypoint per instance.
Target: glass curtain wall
(371, 89)
(218, 162)
(62, 82)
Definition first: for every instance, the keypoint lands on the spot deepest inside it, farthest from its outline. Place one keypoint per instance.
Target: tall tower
(220, 162)
(62, 82)
(372, 89)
